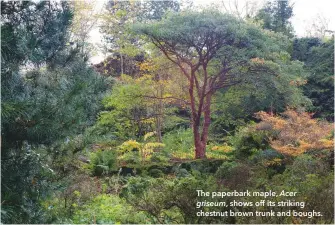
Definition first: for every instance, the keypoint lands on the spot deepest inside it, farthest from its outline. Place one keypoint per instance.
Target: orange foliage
(257, 60)
(298, 82)
(298, 132)
(147, 66)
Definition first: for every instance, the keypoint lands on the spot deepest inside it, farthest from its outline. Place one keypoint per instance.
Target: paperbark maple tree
(213, 51)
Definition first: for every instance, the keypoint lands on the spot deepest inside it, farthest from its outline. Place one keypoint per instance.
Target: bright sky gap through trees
(305, 12)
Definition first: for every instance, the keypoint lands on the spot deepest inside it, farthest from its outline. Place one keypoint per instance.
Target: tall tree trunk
(200, 139)
(159, 110)
(160, 116)
(121, 60)
(198, 144)
(207, 122)
(200, 150)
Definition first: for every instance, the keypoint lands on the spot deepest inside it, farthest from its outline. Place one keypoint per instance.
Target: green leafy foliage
(318, 57)
(320, 85)
(275, 16)
(170, 200)
(248, 141)
(25, 181)
(129, 116)
(70, 193)
(179, 142)
(75, 152)
(225, 169)
(103, 162)
(122, 13)
(226, 52)
(108, 209)
(46, 91)
(314, 182)
(33, 32)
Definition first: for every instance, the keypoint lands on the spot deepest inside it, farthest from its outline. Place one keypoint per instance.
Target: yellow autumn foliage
(145, 149)
(224, 148)
(129, 146)
(273, 162)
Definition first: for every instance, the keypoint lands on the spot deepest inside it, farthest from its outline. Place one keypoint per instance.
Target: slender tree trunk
(159, 109)
(207, 122)
(121, 60)
(195, 118)
(199, 147)
(158, 119)
(160, 116)
(199, 142)
(200, 139)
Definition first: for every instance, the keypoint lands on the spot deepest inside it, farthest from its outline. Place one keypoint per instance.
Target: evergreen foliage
(275, 16)
(115, 142)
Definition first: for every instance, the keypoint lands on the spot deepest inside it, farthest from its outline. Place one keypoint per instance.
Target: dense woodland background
(187, 99)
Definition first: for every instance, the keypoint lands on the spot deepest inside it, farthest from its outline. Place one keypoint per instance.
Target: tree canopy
(216, 51)
(185, 98)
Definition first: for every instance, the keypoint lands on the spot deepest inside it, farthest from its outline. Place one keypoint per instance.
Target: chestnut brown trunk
(200, 141)
(200, 150)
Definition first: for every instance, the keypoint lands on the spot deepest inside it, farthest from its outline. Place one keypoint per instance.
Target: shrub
(108, 209)
(129, 159)
(159, 157)
(297, 132)
(234, 175)
(102, 162)
(271, 160)
(314, 182)
(73, 192)
(156, 173)
(169, 200)
(129, 146)
(132, 152)
(248, 140)
(181, 172)
(224, 170)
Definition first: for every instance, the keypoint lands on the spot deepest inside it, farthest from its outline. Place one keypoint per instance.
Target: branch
(195, 116)
(197, 85)
(164, 50)
(226, 84)
(203, 91)
(147, 117)
(159, 98)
